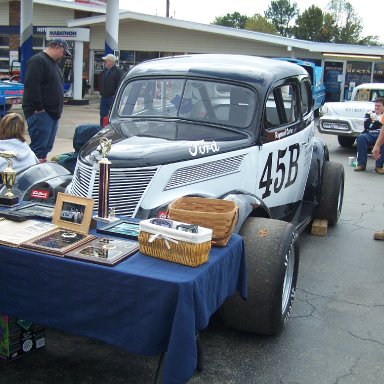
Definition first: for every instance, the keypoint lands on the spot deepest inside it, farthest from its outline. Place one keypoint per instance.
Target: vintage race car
(232, 127)
(11, 92)
(346, 119)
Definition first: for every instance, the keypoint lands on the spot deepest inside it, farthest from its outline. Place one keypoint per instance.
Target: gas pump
(66, 68)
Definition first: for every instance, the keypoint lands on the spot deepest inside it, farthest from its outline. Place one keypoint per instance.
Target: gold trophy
(8, 177)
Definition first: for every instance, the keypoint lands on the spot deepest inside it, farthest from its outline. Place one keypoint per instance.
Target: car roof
(370, 86)
(250, 69)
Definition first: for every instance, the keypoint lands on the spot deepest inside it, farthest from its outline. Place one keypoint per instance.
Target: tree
(234, 20)
(259, 23)
(349, 24)
(280, 13)
(315, 25)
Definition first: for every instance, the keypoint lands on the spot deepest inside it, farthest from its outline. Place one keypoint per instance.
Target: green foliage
(315, 25)
(259, 23)
(338, 23)
(281, 13)
(349, 25)
(234, 20)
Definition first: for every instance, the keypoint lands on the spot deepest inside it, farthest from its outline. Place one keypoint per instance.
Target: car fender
(249, 205)
(320, 154)
(41, 182)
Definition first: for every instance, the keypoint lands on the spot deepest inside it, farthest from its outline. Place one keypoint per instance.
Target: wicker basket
(174, 245)
(219, 215)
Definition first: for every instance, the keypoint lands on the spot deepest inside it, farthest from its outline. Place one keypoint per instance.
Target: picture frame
(73, 213)
(105, 251)
(126, 228)
(57, 241)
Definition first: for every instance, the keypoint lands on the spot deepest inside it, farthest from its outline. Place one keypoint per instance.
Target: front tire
(346, 141)
(272, 259)
(331, 192)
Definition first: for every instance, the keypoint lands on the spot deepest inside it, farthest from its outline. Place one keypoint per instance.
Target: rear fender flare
(249, 205)
(320, 154)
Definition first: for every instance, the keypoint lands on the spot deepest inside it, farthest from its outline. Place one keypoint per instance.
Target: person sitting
(369, 136)
(12, 129)
(82, 134)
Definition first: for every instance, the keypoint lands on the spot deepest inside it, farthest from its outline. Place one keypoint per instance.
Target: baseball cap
(109, 57)
(62, 43)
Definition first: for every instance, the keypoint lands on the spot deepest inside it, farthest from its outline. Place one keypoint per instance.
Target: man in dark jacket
(44, 96)
(369, 136)
(109, 83)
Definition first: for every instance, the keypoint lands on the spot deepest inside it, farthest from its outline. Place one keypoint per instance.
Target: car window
(281, 106)
(306, 97)
(198, 100)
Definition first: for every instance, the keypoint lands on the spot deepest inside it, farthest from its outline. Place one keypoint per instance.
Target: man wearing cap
(44, 96)
(109, 83)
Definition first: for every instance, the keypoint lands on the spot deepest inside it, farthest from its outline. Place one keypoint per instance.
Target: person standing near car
(377, 154)
(368, 137)
(44, 96)
(109, 83)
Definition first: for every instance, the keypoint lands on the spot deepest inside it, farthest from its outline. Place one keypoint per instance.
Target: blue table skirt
(144, 305)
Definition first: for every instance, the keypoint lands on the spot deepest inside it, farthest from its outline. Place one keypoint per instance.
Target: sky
(205, 11)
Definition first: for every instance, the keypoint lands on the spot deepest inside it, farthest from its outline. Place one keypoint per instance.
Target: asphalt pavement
(334, 334)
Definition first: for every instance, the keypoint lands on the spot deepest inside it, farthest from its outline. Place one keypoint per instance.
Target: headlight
(333, 125)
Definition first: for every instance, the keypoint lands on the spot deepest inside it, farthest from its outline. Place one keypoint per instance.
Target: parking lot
(334, 334)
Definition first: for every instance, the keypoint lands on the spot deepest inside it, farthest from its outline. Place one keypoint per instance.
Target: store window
(357, 72)
(378, 73)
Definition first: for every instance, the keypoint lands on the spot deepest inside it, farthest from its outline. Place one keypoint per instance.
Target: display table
(144, 305)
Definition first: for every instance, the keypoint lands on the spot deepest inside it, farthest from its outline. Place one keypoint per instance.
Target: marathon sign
(72, 34)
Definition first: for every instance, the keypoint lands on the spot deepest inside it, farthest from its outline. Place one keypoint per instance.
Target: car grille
(125, 189)
(203, 172)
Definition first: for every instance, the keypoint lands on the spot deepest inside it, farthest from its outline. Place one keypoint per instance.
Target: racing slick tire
(346, 141)
(331, 192)
(272, 259)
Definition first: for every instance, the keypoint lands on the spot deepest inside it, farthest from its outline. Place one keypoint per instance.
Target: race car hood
(149, 143)
(347, 109)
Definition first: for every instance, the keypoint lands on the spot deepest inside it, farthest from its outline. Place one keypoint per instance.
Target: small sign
(39, 194)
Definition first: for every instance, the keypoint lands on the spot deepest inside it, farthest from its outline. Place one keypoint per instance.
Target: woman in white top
(12, 128)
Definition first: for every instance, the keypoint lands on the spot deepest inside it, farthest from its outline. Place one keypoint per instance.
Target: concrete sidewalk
(73, 115)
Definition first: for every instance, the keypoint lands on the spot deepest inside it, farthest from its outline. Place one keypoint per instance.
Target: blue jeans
(363, 141)
(42, 129)
(105, 107)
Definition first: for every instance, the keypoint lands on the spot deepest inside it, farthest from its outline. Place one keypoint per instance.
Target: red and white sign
(39, 194)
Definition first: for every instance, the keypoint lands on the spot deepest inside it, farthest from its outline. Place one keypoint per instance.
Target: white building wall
(51, 16)
(142, 36)
(4, 14)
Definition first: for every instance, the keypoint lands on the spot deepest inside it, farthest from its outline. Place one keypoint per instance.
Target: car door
(288, 131)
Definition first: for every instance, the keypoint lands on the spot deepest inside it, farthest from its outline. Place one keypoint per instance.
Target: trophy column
(104, 173)
(103, 212)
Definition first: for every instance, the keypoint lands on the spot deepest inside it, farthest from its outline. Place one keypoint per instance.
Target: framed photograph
(73, 212)
(105, 251)
(31, 211)
(127, 228)
(58, 241)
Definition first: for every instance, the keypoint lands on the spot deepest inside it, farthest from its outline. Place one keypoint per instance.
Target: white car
(346, 118)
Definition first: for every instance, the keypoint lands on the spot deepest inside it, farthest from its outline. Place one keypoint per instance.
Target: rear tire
(272, 259)
(331, 192)
(346, 141)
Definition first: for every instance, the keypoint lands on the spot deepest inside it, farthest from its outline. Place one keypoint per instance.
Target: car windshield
(365, 94)
(197, 100)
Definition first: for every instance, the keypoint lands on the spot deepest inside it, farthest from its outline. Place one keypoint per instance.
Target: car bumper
(340, 127)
